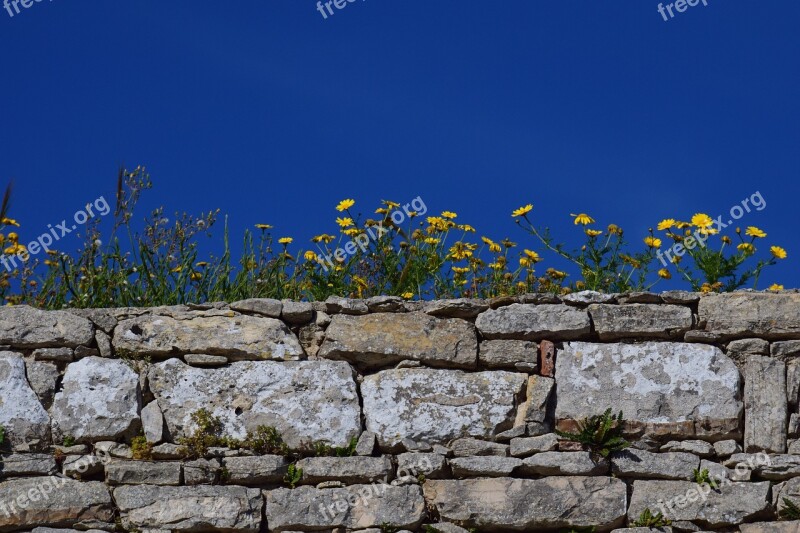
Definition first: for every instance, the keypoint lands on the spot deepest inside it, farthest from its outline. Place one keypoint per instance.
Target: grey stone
(584, 298)
(256, 470)
(205, 360)
(639, 298)
(445, 527)
(21, 413)
(103, 341)
(726, 448)
(523, 447)
(794, 425)
(529, 504)
(536, 429)
(792, 526)
(779, 467)
(508, 353)
(197, 508)
(793, 385)
(513, 433)
(430, 465)
(794, 447)
(741, 348)
(366, 443)
(565, 464)
(700, 448)
(99, 399)
(25, 327)
(142, 473)
(719, 473)
(62, 355)
(311, 337)
(108, 449)
(66, 502)
(166, 451)
(765, 406)
(742, 314)
(80, 466)
(345, 306)
(105, 319)
(201, 471)
(534, 322)
(411, 445)
(456, 308)
(537, 406)
(297, 312)
(27, 464)
(385, 304)
(348, 470)
(85, 351)
(785, 350)
(664, 387)
(153, 423)
(438, 405)
(790, 491)
(643, 464)
(471, 447)
(259, 306)
(303, 400)
(484, 466)
(43, 377)
(382, 339)
(680, 297)
(354, 507)
(640, 321)
(703, 337)
(736, 503)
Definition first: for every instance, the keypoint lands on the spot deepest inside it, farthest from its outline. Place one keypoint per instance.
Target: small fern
(791, 511)
(702, 477)
(601, 433)
(293, 476)
(648, 519)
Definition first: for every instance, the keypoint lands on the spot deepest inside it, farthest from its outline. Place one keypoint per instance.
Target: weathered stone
(668, 388)
(103, 341)
(740, 349)
(21, 414)
(534, 322)
(584, 298)
(304, 400)
(52, 501)
(105, 319)
(43, 377)
(166, 451)
(81, 466)
(142, 473)
(639, 298)
(732, 505)
(256, 470)
(110, 448)
(201, 471)
(411, 445)
(345, 306)
(439, 405)
(382, 339)
(311, 337)
(197, 508)
(703, 337)
(297, 312)
(523, 447)
(153, 424)
(790, 491)
(765, 406)
(445, 527)
(528, 504)
(348, 470)
(726, 448)
(25, 327)
(27, 464)
(741, 314)
(700, 448)
(565, 464)
(99, 399)
(665, 529)
(456, 308)
(85, 351)
(537, 406)
(792, 526)
(774, 467)
(484, 466)
(536, 429)
(62, 355)
(385, 304)
(793, 385)
(785, 350)
(719, 473)
(640, 321)
(366, 443)
(472, 447)
(353, 507)
(430, 465)
(794, 426)
(680, 297)
(259, 306)
(205, 360)
(642, 464)
(509, 354)
(513, 433)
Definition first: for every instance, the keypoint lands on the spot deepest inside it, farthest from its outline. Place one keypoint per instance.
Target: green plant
(790, 511)
(293, 475)
(2, 435)
(264, 440)
(431, 529)
(386, 527)
(601, 433)
(648, 519)
(702, 477)
(589, 529)
(68, 441)
(141, 449)
(224, 474)
(208, 434)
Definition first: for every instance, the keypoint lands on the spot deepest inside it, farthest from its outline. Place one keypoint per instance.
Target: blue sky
(272, 113)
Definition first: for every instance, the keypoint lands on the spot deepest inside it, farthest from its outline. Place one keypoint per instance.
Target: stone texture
(25, 327)
(785, 350)
(297, 312)
(255, 470)
(21, 413)
(700, 448)
(27, 464)
(521, 355)
(353, 507)
(765, 406)
(198, 508)
(201, 471)
(304, 400)
(523, 447)
(153, 426)
(527, 504)
(52, 501)
(680, 297)
(430, 465)
(642, 464)
(236, 337)
(61, 355)
(345, 306)
(385, 304)
(649, 321)
(736, 503)
(584, 298)
(565, 464)
(472, 447)
(743, 347)
(439, 405)
(538, 404)
(484, 466)
(205, 360)
(793, 385)
(725, 448)
(792, 526)
(43, 377)
(744, 314)
(670, 388)
(348, 470)
(456, 308)
(142, 473)
(366, 443)
(534, 322)
(383, 339)
(79, 466)
(99, 400)
(259, 306)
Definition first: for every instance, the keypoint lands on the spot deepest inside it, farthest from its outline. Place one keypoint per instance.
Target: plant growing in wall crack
(293, 475)
(648, 519)
(602, 434)
(791, 511)
(702, 477)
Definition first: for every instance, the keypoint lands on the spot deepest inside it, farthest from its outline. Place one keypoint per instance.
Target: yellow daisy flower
(593, 232)
(449, 214)
(310, 256)
(701, 220)
(652, 242)
(664, 274)
(263, 226)
(775, 287)
(9, 222)
(285, 240)
(746, 248)
(522, 211)
(778, 252)
(665, 224)
(408, 295)
(345, 204)
(582, 218)
(754, 232)
(344, 222)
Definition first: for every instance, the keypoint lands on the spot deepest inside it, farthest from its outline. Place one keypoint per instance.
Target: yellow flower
(706, 288)
(461, 250)
(201, 264)
(583, 219)
(664, 273)
(431, 240)
(460, 270)
(778, 252)
(449, 214)
(493, 246)
(726, 239)
(556, 274)
(177, 269)
(746, 248)
(755, 232)
(285, 240)
(652, 242)
(13, 237)
(344, 222)
(701, 220)
(263, 226)
(707, 231)
(346, 204)
(775, 287)
(310, 256)
(9, 222)
(196, 276)
(389, 203)
(408, 295)
(522, 211)
(327, 239)
(382, 211)
(440, 224)
(666, 224)
(466, 227)
(352, 232)
(15, 249)
(524, 261)
(682, 225)
(593, 232)
(533, 256)
(614, 229)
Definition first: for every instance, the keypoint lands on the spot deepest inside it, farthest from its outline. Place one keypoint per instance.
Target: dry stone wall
(447, 411)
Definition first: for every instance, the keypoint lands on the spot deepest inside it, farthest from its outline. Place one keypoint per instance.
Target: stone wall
(451, 406)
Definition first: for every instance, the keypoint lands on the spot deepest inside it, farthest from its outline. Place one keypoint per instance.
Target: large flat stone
(196, 508)
(304, 400)
(739, 315)
(382, 339)
(765, 405)
(21, 413)
(792, 526)
(353, 507)
(436, 406)
(348, 470)
(99, 400)
(236, 337)
(534, 322)
(665, 388)
(25, 327)
(143, 473)
(525, 504)
(640, 321)
(643, 464)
